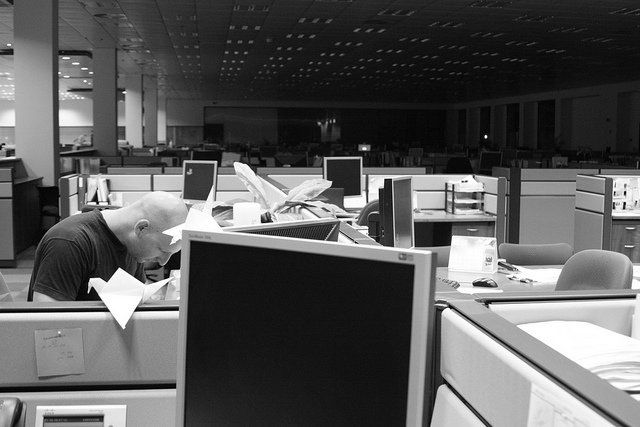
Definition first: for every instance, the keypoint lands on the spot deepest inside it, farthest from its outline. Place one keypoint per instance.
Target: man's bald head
(139, 226)
(162, 209)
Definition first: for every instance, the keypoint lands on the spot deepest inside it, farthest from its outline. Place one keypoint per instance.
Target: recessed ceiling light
(66, 57)
(84, 68)
(75, 63)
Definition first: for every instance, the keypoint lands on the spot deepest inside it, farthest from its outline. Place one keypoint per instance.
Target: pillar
(36, 87)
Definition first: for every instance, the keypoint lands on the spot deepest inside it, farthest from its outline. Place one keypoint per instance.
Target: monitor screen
(199, 177)
(397, 212)
(489, 159)
(314, 229)
(344, 172)
(279, 331)
(364, 147)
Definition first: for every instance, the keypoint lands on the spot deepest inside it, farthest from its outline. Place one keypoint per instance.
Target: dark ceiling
(425, 51)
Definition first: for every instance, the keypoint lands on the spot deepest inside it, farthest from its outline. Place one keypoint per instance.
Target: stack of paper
(612, 356)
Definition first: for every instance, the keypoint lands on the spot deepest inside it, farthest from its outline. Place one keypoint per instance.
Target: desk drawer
(625, 238)
(481, 229)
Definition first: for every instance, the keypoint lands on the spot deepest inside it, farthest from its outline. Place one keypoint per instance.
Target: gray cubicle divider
(526, 365)
(540, 204)
(593, 212)
(135, 366)
(143, 354)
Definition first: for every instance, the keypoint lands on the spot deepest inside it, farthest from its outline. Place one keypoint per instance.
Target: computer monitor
(314, 229)
(197, 154)
(489, 159)
(397, 212)
(279, 331)
(198, 178)
(344, 172)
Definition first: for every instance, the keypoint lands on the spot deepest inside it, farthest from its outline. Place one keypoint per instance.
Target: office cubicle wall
(597, 225)
(133, 186)
(593, 212)
(137, 364)
(507, 368)
(540, 204)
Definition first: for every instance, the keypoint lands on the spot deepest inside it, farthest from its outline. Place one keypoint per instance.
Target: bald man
(97, 243)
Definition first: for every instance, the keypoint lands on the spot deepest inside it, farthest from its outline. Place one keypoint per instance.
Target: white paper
(538, 275)
(469, 253)
(467, 184)
(196, 220)
(123, 293)
(612, 356)
(559, 409)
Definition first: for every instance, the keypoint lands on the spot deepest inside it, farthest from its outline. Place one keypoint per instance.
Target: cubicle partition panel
(602, 219)
(593, 212)
(66, 354)
(71, 192)
(541, 204)
(495, 189)
(6, 212)
(534, 381)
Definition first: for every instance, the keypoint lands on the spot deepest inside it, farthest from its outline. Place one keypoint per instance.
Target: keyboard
(443, 280)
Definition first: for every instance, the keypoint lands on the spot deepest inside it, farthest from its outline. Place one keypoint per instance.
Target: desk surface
(504, 284)
(435, 215)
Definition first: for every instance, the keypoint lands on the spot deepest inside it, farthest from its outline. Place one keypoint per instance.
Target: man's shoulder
(73, 227)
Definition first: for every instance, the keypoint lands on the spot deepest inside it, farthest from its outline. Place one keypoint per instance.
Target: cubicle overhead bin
(509, 378)
(602, 218)
(77, 354)
(540, 204)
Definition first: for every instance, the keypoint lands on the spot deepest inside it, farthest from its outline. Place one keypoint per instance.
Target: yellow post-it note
(59, 352)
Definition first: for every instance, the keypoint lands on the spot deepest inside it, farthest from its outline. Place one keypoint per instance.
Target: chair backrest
(596, 269)
(372, 206)
(541, 254)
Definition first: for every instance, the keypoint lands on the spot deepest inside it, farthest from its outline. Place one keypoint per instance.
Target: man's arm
(38, 297)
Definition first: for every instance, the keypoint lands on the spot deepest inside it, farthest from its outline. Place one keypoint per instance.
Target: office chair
(458, 165)
(541, 254)
(49, 209)
(372, 206)
(5, 294)
(596, 269)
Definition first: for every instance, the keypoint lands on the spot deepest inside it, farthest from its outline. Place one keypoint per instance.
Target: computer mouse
(485, 282)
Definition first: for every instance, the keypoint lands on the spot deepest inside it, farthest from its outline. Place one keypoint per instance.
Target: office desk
(435, 227)
(504, 284)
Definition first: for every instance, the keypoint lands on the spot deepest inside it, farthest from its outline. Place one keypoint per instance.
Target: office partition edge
(589, 389)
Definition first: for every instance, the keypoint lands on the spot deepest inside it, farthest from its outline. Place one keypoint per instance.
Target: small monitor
(199, 177)
(315, 229)
(344, 172)
(364, 147)
(397, 212)
(279, 331)
(489, 159)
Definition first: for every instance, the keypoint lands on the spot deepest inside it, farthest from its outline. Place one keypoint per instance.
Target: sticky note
(59, 352)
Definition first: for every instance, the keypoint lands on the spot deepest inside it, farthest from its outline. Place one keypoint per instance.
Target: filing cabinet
(625, 238)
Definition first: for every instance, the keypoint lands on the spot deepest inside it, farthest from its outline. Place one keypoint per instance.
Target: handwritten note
(59, 352)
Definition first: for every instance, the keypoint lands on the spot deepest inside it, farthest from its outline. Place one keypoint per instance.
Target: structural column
(133, 109)
(36, 87)
(105, 101)
(162, 117)
(150, 110)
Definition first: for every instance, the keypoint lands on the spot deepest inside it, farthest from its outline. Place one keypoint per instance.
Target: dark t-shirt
(75, 250)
